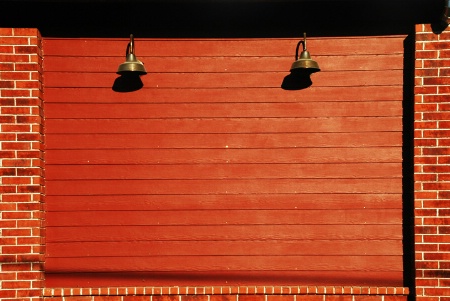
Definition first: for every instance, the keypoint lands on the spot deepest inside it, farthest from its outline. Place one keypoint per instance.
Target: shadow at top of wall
(218, 19)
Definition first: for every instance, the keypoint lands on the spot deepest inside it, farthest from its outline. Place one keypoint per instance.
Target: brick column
(431, 163)
(21, 141)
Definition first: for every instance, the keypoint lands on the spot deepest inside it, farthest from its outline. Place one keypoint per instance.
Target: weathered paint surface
(214, 174)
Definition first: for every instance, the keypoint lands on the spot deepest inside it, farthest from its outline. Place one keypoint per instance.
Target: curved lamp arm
(130, 46)
(298, 45)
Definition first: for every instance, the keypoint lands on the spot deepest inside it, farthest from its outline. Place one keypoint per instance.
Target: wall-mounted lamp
(301, 69)
(132, 65)
(304, 63)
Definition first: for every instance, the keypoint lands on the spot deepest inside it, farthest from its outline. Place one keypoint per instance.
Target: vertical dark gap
(408, 166)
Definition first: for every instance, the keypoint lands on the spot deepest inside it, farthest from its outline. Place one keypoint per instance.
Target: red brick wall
(21, 262)
(432, 172)
(21, 253)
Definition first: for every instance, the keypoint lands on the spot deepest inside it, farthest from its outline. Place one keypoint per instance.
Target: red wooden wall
(213, 174)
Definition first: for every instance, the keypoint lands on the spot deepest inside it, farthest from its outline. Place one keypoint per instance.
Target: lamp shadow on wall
(297, 80)
(127, 83)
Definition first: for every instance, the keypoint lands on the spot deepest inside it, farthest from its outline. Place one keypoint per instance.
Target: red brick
(425, 230)
(79, 298)
(16, 249)
(32, 171)
(16, 267)
(438, 133)
(7, 294)
(426, 265)
(443, 291)
(16, 232)
(395, 298)
(437, 221)
(194, 298)
(26, 32)
(427, 72)
(16, 145)
(7, 189)
(427, 282)
(28, 137)
(16, 198)
(15, 128)
(14, 40)
(29, 188)
(437, 204)
(26, 67)
(250, 298)
(425, 142)
(7, 259)
(218, 298)
(310, 298)
(436, 151)
(7, 172)
(7, 207)
(16, 215)
(280, 298)
(15, 93)
(436, 116)
(107, 298)
(166, 298)
(436, 239)
(425, 90)
(428, 107)
(6, 31)
(14, 58)
(16, 181)
(426, 55)
(26, 49)
(436, 186)
(28, 102)
(427, 298)
(435, 98)
(6, 84)
(444, 194)
(137, 298)
(28, 119)
(338, 298)
(27, 85)
(16, 75)
(29, 275)
(16, 284)
(425, 160)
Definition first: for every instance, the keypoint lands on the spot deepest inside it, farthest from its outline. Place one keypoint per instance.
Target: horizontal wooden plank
(220, 232)
(225, 110)
(224, 217)
(217, 263)
(228, 278)
(225, 171)
(227, 125)
(227, 80)
(226, 186)
(154, 64)
(177, 95)
(225, 202)
(220, 156)
(217, 141)
(223, 47)
(223, 248)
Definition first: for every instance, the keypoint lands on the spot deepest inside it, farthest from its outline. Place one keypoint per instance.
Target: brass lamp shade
(304, 62)
(131, 65)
